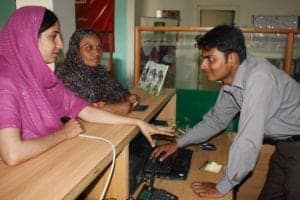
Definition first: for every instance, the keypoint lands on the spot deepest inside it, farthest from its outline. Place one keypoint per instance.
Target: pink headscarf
(40, 98)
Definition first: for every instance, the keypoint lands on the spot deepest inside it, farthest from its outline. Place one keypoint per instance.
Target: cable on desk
(113, 160)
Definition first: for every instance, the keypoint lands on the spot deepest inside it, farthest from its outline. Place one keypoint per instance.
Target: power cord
(113, 160)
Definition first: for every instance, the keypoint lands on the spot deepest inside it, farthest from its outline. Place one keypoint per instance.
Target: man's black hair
(226, 39)
(49, 20)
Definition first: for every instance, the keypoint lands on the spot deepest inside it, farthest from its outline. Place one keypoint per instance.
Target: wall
(48, 3)
(120, 41)
(189, 9)
(124, 41)
(65, 11)
(130, 41)
(5, 10)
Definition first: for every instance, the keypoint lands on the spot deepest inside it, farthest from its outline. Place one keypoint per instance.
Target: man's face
(217, 66)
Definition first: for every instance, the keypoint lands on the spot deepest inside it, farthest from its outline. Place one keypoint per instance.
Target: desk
(66, 170)
(182, 188)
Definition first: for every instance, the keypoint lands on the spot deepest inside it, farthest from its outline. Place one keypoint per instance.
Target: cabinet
(279, 46)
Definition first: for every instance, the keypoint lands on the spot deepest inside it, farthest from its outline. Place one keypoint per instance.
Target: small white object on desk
(212, 167)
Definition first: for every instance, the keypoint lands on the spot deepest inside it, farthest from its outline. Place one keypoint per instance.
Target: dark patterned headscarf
(91, 83)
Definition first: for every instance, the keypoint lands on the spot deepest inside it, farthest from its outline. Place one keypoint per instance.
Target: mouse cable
(113, 160)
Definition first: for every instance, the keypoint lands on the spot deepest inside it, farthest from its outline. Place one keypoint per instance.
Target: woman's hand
(92, 114)
(163, 151)
(72, 128)
(134, 99)
(14, 150)
(148, 130)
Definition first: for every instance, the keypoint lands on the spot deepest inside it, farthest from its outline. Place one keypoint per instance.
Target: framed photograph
(172, 14)
(153, 77)
(160, 46)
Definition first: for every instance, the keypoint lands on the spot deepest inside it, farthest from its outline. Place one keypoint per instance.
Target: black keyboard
(165, 166)
(150, 193)
(175, 166)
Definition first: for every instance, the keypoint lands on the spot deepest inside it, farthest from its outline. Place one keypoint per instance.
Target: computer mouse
(208, 146)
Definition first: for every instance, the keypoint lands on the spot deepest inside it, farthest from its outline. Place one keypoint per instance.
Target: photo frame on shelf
(159, 46)
(153, 77)
(158, 21)
(172, 14)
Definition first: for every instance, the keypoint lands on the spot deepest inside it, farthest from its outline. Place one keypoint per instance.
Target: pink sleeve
(9, 110)
(74, 103)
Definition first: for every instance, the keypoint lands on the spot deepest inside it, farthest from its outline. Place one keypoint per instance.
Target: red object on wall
(98, 15)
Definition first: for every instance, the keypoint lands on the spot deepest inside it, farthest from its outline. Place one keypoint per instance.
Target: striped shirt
(268, 101)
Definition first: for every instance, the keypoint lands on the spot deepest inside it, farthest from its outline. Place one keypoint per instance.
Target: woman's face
(50, 43)
(90, 49)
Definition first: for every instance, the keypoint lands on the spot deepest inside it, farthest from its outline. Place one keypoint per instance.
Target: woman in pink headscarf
(32, 99)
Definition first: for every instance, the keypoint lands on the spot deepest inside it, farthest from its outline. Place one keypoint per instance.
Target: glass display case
(267, 45)
(296, 58)
(175, 46)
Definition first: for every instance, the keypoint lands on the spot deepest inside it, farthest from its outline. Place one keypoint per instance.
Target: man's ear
(233, 58)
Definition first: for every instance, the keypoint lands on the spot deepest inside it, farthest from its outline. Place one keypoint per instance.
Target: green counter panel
(191, 105)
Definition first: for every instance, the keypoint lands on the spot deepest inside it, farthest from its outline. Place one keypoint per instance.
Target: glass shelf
(175, 46)
(296, 58)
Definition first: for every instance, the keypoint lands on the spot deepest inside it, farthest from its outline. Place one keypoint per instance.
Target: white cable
(113, 160)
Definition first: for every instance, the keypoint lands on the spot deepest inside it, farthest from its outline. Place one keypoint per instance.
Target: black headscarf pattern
(90, 83)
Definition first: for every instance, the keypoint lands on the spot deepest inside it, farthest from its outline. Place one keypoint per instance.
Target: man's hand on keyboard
(163, 151)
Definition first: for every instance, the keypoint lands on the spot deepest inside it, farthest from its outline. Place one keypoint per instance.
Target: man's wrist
(224, 186)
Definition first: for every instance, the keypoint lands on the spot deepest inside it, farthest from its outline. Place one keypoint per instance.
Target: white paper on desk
(213, 167)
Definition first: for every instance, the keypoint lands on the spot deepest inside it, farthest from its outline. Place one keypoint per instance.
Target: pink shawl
(31, 97)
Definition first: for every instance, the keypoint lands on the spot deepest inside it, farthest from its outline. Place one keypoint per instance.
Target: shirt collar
(239, 78)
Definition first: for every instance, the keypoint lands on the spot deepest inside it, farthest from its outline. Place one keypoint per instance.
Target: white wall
(46, 3)
(130, 41)
(189, 9)
(65, 11)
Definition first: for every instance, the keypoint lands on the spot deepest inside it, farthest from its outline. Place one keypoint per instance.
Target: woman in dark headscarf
(82, 73)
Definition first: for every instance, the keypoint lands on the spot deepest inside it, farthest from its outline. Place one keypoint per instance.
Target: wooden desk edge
(100, 167)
